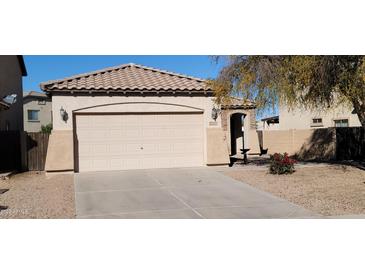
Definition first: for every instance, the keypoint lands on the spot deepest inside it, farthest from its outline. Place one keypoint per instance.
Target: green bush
(46, 128)
(281, 164)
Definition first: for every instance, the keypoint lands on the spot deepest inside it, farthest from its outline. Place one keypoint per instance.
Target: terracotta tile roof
(127, 78)
(238, 103)
(36, 94)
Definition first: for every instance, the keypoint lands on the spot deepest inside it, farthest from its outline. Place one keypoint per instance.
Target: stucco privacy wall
(105, 104)
(306, 143)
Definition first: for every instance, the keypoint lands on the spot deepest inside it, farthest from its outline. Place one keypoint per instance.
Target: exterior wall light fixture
(215, 112)
(64, 114)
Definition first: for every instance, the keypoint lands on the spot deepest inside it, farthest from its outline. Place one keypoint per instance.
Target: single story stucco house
(136, 117)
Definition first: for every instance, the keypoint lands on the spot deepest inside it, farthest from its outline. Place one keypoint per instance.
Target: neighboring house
(37, 111)
(270, 123)
(307, 134)
(135, 117)
(340, 116)
(12, 69)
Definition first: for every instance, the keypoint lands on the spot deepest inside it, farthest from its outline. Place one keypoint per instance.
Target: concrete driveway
(175, 193)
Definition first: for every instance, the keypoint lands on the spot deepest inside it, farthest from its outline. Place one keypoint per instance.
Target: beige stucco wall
(11, 83)
(306, 143)
(71, 103)
(60, 151)
(140, 107)
(105, 104)
(253, 142)
(217, 148)
(302, 119)
(44, 115)
(264, 126)
(280, 141)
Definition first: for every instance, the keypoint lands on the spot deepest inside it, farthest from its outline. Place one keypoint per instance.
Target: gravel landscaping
(37, 195)
(330, 190)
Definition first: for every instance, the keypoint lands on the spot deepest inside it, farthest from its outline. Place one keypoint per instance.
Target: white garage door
(138, 141)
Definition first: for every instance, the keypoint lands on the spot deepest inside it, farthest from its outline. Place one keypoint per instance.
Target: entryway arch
(237, 132)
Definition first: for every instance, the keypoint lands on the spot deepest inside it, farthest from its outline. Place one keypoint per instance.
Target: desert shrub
(46, 128)
(281, 164)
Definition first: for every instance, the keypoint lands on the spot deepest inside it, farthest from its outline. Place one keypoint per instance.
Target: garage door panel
(116, 164)
(193, 133)
(164, 147)
(116, 150)
(85, 165)
(100, 149)
(103, 164)
(85, 150)
(116, 133)
(129, 119)
(117, 142)
(131, 163)
(97, 134)
(149, 132)
(132, 148)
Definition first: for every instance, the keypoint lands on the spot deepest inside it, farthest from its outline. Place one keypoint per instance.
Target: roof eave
(270, 118)
(22, 65)
(124, 91)
(238, 107)
(36, 96)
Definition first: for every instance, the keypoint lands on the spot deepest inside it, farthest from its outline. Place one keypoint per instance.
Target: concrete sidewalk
(176, 193)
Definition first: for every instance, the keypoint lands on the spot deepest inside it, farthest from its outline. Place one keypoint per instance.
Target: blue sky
(43, 68)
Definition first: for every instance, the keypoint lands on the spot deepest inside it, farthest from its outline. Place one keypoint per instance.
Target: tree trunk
(360, 111)
(362, 118)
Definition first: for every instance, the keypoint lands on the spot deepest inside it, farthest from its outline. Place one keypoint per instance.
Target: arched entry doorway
(237, 133)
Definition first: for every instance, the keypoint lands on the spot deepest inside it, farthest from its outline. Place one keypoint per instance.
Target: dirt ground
(37, 195)
(330, 190)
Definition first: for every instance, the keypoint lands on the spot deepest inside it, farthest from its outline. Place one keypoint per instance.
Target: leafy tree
(47, 128)
(309, 82)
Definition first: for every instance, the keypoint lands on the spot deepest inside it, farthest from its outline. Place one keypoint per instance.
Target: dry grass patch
(327, 190)
(37, 195)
